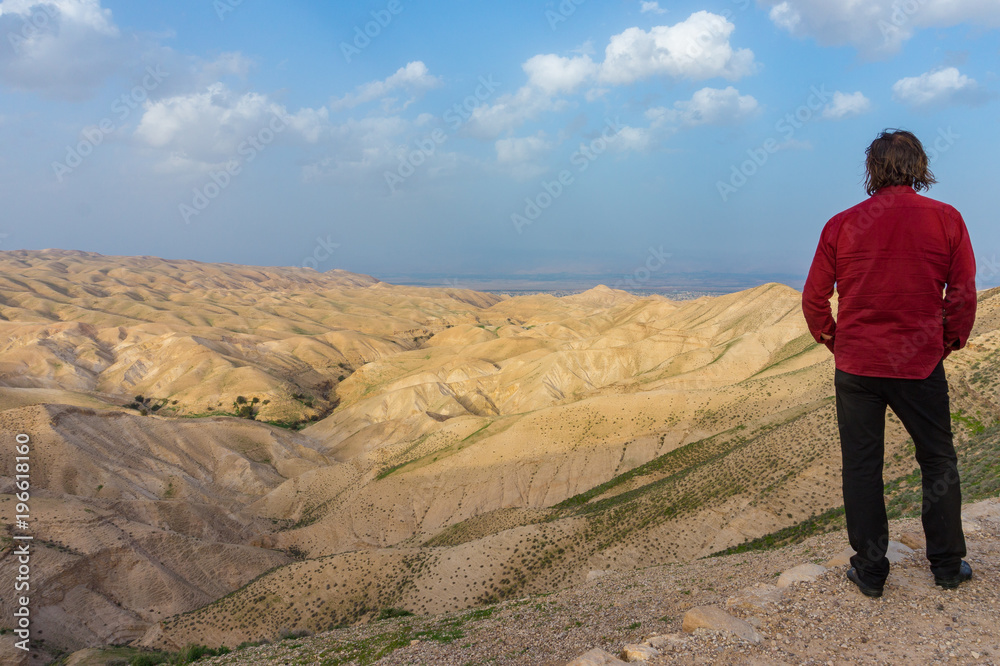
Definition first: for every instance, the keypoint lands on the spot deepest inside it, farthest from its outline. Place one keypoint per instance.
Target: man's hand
(825, 336)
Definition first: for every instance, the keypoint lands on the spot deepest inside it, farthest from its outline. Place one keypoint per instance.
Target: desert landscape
(225, 454)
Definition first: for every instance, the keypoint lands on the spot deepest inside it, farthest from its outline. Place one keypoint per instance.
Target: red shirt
(891, 258)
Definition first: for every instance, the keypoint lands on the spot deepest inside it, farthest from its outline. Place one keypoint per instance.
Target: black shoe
(964, 574)
(867, 590)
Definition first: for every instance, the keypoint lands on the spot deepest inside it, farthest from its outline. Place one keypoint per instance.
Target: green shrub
(389, 613)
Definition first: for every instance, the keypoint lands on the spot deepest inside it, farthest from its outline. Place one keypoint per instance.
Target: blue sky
(463, 137)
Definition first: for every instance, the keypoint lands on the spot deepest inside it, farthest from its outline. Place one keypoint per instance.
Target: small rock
(414, 641)
(914, 540)
(843, 558)
(987, 510)
(970, 526)
(897, 552)
(596, 657)
(667, 642)
(716, 619)
(804, 573)
(634, 652)
(762, 597)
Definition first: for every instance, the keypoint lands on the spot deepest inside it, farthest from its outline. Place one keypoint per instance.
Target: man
(905, 277)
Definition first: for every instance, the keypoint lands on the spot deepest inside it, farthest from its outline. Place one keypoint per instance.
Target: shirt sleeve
(960, 292)
(818, 291)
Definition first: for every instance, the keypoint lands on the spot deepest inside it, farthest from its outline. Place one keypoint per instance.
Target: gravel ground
(827, 621)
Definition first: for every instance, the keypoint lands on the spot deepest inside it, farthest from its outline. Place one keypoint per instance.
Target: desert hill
(192, 336)
(461, 448)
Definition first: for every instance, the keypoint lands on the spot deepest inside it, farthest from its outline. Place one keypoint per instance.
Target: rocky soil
(788, 614)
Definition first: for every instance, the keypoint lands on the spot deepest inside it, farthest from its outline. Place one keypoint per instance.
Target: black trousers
(922, 406)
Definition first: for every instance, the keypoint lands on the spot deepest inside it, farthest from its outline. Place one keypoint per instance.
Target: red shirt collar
(894, 189)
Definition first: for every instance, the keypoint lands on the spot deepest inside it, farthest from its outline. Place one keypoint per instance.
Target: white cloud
(70, 49)
(875, 27)
(210, 126)
(413, 78)
(639, 139)
(522, 155)
(360, 152)
(711, 106)
(845, 105)
(548, 76)
(87, 13)
(62, 48)
(511, 111)
(227, 64)
(652, 8)
(708, 106)
(523, 149)
(942, 87)
(697, 48)
(554, 74)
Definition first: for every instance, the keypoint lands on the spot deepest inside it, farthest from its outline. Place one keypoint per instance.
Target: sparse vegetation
(827, 521)
(389, 613)
(246, 409)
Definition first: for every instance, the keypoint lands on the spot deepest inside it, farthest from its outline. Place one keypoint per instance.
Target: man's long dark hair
(897, 157)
